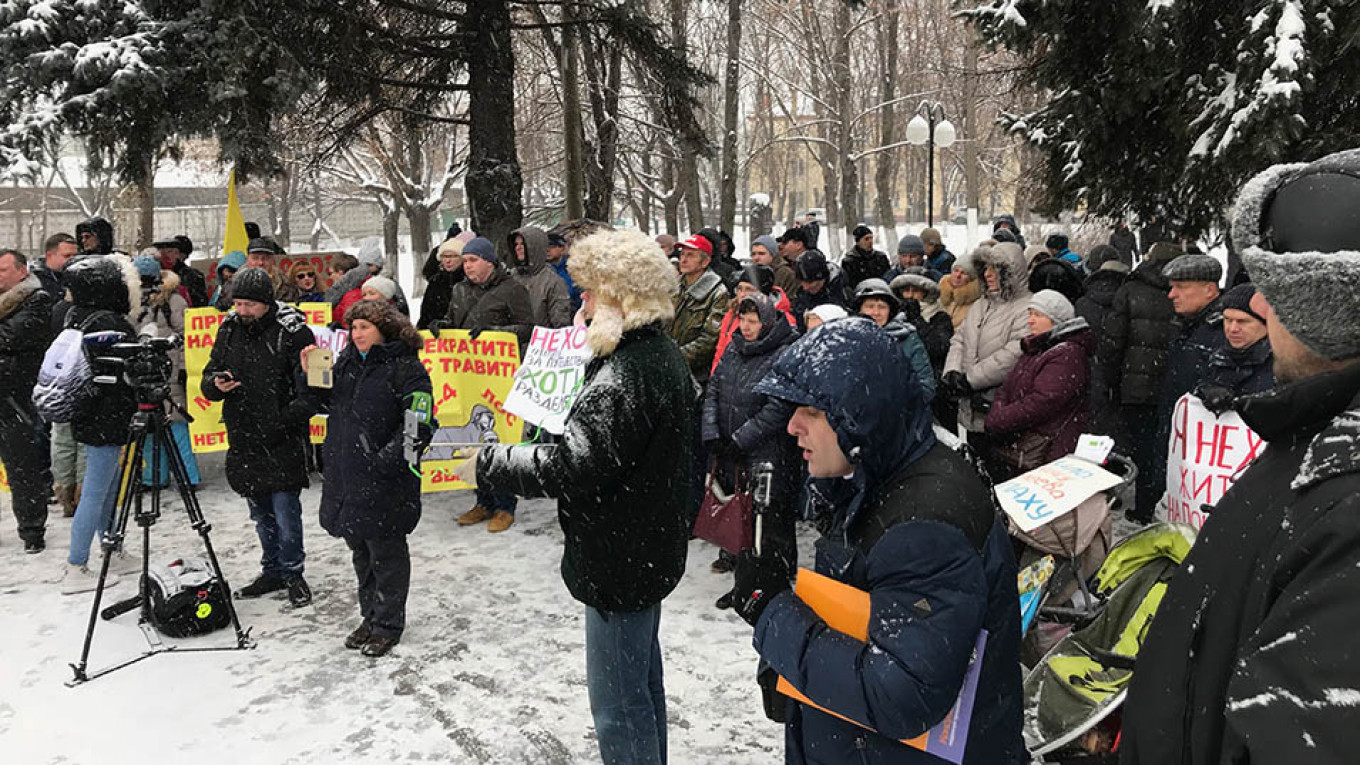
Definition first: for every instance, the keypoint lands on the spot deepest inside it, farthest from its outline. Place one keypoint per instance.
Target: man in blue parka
(910, 521)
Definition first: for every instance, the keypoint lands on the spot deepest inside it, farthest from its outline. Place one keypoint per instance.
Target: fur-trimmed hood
(109, 282)
(12, 298)
(1313, 282)
(1009, 261)
(631, 280)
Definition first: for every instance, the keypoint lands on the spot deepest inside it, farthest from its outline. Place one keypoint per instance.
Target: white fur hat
(631, 280)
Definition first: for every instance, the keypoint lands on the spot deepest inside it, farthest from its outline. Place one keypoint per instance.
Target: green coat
(699, 310)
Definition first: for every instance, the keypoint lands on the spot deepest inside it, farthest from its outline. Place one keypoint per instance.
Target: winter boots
(475, 516)
(364, 641)
(299, 594)
(66, 497)
(500, 522)
(358, 637)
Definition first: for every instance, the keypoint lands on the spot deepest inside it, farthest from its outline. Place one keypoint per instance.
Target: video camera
(143, 364)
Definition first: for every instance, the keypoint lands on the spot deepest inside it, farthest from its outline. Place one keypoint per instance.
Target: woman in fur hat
(621, 478)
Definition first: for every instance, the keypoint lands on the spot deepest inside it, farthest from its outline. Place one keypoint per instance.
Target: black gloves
(776, 703)
(911, 308)
(955, 384)
(475, 330)
(437, 326)
(1216, 398)
(759, 579)
(723, 447)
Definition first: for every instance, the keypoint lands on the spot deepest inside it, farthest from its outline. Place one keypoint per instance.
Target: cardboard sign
(1042, 494)
(547, 382)
(1205, 456)
(471, 379)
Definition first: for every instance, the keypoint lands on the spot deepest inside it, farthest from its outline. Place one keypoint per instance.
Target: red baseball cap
(696, 242)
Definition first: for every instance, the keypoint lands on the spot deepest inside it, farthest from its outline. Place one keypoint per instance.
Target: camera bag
(186, 599)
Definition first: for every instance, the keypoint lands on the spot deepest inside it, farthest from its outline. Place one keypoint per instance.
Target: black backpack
(186, 599)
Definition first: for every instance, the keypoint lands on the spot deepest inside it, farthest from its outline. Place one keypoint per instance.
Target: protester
(262, 252)
(95, 236)
(920, 300)
(987, 345)
(1040, 412)
(103, 291)
(378, 288)
(1007, 223)
(1047, 272)
(254, 371)
(1058, 245)
(57, 250)
(667, 244)
(1250, 657)
(743, 429)
(938, 258)
(557, 258)
(1243, 366)
(819, 282)
(489, 300)
(616, 475)
(751, 280)
(1098, 295)
(700, 302)
(1125, 244)
(301, 286)
(765, 252)
(822, 314)
(911, 253)
(960, 289)
(875, 300)
(547, 292)
(442, 273)
(25, 332)
(226, 269)
(721, 263)
(1132, 360)
(174, 256)
(162, 315)
(792, 244)
(862, 261)
(908, 520)
(370, 496)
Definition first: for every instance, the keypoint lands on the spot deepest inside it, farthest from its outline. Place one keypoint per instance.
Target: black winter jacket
(25, 333)
(1057, 274)
(1198, 338)
(195, 282)
(620, 474)
(1244, 371)
(1251, 657)
(438, 293)
(104, 419)
(370, 491)
(754, 422)
(1101, 287)
(50, 280)
(267, 416)
(858, 265)
(1138, 329)
(501, 304)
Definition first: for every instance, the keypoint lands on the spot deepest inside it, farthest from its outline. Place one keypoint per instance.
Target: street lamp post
(931, 127)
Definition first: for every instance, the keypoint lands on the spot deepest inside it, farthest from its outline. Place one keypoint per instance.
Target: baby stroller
(1077, 542)
(1073, 693)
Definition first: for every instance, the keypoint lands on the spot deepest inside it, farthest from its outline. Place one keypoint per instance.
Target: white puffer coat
(987, 344)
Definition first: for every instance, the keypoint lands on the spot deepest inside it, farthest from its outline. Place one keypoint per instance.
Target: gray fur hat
(916, 281)
(1297, 227)
(1193, 267)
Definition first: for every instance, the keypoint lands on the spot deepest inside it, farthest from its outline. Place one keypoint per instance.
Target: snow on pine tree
(1166, 107)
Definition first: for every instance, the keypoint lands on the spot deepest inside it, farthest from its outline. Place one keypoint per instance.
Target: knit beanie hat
(480, 247)
(911, 244)
(768, 243)
(965, 264)
(1193, 267)
(385, 287)
(828, 312)
(1101, 254)
(451, 245)
(931, 236)
(1297, 227)
(1239, 298)
(812, 267)
(147, 266)
(860, 232)
(370, 252)
(1052, 304)
(253, 284)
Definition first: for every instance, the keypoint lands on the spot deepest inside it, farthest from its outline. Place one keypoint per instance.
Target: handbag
(726, 520)
(1029, 450)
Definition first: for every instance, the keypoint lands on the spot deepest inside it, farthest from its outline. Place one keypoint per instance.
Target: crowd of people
(708, 369)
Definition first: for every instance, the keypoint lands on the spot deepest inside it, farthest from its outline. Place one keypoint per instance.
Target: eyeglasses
(306, 276)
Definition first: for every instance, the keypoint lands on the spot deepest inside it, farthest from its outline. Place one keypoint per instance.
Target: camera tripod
(150, 428)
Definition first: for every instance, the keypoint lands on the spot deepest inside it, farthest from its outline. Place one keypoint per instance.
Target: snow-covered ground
(491, 668)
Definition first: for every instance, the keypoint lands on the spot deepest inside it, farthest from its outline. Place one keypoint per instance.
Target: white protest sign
(1042, 494)
(334, 339)
(1205, 455)
(550, 376)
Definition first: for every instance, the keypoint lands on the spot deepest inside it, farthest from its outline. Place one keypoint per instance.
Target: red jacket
(729, 324)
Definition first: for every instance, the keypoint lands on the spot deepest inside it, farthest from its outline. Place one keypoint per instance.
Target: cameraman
(101, 292)
(25, 332)
(254, 369)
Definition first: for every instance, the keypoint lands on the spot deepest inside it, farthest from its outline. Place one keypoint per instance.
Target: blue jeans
(494, 501)
(278, 522)
(624, 678)
(180, 432)
(98, 494)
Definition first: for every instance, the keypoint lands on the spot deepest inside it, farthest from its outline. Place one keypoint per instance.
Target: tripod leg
(114, 533)
(199, 523)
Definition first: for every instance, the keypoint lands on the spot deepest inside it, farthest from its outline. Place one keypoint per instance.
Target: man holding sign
(1251, 656)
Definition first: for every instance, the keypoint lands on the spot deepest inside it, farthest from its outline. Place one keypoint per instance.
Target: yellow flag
(234, 237)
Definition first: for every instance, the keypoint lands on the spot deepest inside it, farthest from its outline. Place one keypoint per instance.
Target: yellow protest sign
(4, 480)
(471, 379)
